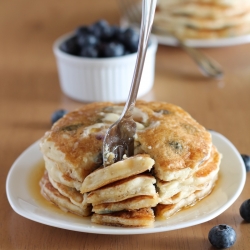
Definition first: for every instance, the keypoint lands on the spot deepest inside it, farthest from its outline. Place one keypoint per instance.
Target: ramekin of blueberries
(96, 62)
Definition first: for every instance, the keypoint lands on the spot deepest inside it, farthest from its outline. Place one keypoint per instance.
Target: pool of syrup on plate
(33, 185)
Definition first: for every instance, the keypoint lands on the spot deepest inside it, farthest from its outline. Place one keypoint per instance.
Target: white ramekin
(102, 79)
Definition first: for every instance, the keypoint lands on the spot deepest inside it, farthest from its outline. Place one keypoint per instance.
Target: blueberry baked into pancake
(174, 165)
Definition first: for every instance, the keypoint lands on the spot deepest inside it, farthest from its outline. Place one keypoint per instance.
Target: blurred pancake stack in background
(203, 19)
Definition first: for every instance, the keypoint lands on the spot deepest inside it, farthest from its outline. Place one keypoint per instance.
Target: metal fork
(119, 139)
(208, 67)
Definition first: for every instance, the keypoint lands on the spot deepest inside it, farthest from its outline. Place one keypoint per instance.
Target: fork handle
(148, 11)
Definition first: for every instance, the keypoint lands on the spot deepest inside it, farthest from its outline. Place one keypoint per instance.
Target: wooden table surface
(30, 93)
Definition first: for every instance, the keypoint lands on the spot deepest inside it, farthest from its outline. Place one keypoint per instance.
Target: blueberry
(131, 39)
(245, 210)
(58, 114)
(246, 159)
(118, 34)
(82, 30)
(99, 28)
(222, 236)
(89, 51)
(108, 33)
(101, 40)
(113, 49)
(70, 46)
(87, 39)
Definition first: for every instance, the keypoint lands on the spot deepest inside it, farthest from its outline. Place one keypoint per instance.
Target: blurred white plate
(205, 43)
(231, 182)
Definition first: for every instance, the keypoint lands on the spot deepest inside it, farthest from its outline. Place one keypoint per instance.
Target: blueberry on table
(245, 210)
(58, 114)
(222, 236)
(246, 159)
(70, 46)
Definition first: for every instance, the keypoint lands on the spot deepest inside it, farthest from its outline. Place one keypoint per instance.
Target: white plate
(231, 182)
(198, 43)
(205, 43)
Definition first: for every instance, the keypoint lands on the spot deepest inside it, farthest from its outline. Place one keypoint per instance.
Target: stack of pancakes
(174, 165)
(123, 193)
(203, 19)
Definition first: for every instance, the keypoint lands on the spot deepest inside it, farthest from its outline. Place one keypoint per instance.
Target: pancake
(229, 3)
(165, 211)
(227, 32)
(141, 201)
(123, 189)
(208, 23)
(75, 141)
(166, 132)
(173, 191)
(60, 176)
(203, 19)
(176, 142)
(204, 10)
(117, 171)
(137, 218)
(75, 196)
(53, 195)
